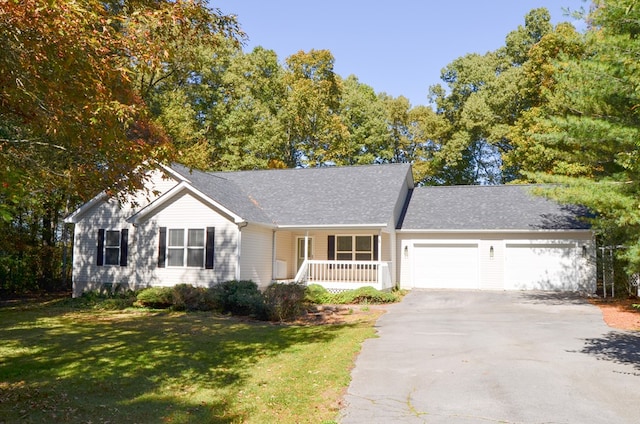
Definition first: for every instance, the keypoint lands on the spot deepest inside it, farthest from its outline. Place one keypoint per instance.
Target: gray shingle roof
(507, 207)
(363, 195)
(224, 191)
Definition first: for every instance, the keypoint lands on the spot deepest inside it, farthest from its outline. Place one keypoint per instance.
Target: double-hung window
(192, 247)
(354, 248)
(112, 247)
(186, 247)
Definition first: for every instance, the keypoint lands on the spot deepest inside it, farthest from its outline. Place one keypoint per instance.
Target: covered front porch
(336, 258)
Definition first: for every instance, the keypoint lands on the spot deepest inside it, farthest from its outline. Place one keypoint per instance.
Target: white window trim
(185, 248)
(353, 250)
(106, 246)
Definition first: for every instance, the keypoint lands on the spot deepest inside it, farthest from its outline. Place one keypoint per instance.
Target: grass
(59, 364)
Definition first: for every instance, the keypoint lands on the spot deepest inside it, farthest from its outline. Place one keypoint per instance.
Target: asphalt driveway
(495, 357)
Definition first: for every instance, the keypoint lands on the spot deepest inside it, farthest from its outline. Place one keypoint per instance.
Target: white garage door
(542, 266)
(445, 266)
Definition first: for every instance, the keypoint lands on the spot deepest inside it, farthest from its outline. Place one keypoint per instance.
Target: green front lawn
(58, 364)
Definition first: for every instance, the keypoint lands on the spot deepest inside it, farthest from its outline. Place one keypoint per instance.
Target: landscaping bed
(620, 313)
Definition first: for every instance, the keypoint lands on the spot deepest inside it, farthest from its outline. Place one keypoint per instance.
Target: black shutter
(375, 248)
(331, 247)
(100, 253)
(162, 247)
(124, 246)
(209, 249)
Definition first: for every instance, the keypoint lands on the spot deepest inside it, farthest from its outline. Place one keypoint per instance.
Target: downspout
(239, 248)
(273, 256)
(394, 259)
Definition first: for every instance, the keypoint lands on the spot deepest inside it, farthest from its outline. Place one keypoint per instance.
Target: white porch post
(306, 245)
(379, 258)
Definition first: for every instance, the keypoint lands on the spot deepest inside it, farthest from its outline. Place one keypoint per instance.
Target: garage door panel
(442, 265)
(540, 267)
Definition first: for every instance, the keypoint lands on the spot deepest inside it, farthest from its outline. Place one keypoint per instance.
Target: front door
(300, 254)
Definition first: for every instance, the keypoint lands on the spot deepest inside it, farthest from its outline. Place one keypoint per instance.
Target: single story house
(341, 227)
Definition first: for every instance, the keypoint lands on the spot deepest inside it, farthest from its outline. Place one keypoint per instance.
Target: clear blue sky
(398, 47)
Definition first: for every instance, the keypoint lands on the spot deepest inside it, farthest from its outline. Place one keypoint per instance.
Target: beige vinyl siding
(285, 251)
(287, 245)
(255, 256)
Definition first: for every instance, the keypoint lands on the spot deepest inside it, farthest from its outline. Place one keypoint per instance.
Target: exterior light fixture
(491, 252)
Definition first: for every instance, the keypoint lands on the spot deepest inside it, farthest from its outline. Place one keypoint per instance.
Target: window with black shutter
(113, 247)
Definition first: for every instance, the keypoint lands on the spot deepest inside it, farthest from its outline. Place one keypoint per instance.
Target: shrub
(284, 301)
(155, 297)
(369, 295)
(102, 301)
(186, 297)
(317, 294)
(240, 298)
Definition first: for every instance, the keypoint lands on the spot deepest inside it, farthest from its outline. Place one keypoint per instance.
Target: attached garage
(541, 266)
(445, 265)
(493, 238)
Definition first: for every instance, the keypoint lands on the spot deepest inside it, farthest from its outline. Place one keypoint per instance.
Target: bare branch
(39, 143)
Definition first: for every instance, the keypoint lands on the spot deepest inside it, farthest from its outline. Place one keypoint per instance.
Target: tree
(252, 134)
(591, 126)
(363, 114)
(310, 116)
(486, 95)
(75, 81)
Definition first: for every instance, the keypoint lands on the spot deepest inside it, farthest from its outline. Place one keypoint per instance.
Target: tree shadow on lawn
(618, 347)
(133, 367)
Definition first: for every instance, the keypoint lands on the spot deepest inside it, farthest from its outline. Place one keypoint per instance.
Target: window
(192, 247)
(195, 248)
(175, 251)
(189, 250)
(112, 247)
(358, 248)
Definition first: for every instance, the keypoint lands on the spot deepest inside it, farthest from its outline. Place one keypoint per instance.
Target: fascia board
(509, 231)
(75, 216)
(173, 173)
(333, 226)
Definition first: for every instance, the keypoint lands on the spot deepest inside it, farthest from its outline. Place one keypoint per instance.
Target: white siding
(111, 215)
(188, 212)
(256, 256)
(86, 274)
(491, 254)
(183, 212)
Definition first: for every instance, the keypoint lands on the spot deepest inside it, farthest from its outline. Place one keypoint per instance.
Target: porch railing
(345, 275)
